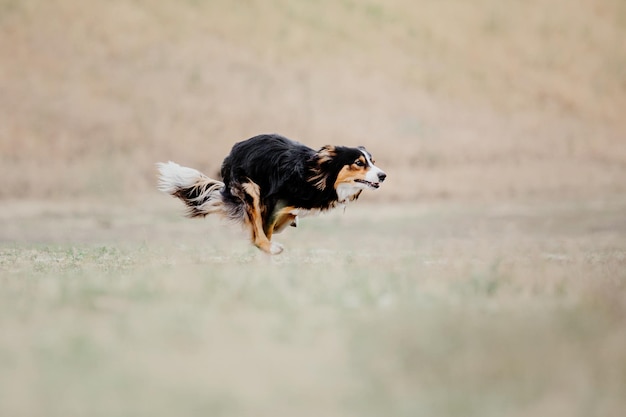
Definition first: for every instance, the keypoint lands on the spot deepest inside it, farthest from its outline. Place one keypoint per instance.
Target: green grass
(406, 313)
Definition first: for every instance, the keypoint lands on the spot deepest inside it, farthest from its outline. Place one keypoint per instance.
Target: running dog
(269, 180)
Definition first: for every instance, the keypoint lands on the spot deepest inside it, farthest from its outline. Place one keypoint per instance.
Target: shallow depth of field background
(486, 277)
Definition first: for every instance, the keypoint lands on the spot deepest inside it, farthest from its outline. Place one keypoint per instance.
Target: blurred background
(484, 100)
(486, 277)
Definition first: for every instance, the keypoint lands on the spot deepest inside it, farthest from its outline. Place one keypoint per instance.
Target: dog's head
(347, 170)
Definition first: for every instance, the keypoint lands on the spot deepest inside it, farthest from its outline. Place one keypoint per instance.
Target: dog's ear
(362, 148)
(319, 172)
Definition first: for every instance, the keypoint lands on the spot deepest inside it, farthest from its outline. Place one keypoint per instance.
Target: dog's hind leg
(255, 219)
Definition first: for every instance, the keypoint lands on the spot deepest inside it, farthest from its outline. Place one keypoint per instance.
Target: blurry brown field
(485, 278)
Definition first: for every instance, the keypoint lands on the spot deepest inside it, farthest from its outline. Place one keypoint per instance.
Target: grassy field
(404, 310)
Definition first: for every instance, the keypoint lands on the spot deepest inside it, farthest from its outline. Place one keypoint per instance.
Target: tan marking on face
(351, 172)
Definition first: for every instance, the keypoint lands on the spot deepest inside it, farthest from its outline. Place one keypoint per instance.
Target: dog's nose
(382, 176)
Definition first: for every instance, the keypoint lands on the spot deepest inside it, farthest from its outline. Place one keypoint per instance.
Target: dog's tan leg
(279, 219)
(281, 222)
(255, 219)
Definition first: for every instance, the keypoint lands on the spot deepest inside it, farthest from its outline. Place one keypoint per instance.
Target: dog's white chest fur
(345, 191)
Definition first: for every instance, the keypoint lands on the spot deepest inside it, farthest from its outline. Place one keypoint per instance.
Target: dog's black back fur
(283, 169)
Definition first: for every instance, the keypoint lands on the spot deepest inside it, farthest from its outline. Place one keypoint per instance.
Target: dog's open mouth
(370, 184)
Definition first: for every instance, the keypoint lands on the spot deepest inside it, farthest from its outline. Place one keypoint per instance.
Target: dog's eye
(359, 163)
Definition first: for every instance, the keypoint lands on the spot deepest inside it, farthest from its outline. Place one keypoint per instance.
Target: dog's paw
(276, 248)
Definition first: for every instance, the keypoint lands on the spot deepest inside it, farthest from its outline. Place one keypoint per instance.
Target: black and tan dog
(269, 180)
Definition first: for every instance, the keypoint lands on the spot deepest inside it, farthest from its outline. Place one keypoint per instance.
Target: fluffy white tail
(201, 194)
